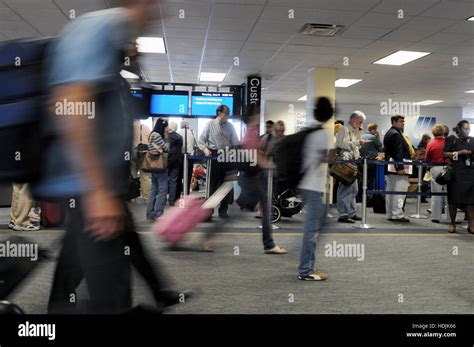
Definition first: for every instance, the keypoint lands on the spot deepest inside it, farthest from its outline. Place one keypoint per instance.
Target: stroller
(286, 203)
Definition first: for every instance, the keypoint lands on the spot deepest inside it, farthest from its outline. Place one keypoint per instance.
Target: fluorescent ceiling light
(151, 45)
(401, 58)
(303, 98)
(129, 75)
(212, 76)
(346, 82)
(429, 102)
(470, 18)
(469, 91)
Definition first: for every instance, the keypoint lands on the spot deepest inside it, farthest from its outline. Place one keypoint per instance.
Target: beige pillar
(321, 82)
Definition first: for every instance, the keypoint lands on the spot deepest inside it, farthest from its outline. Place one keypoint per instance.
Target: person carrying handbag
(155, 162)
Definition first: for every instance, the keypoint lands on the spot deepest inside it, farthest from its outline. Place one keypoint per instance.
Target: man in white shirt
(189, 143)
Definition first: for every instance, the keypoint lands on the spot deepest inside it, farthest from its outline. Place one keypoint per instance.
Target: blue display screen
(137, 94)
(171, 103)
(206, 103)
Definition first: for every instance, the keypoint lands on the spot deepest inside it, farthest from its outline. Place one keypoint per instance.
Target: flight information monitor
(169, 103)
(204, 104)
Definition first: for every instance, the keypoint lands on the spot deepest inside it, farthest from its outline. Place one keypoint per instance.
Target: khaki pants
(145, 179)
(21, 203)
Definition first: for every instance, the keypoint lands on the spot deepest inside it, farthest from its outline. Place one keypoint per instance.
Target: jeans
(346, 199)
(157, 199)
(172, 184)
(314, 219)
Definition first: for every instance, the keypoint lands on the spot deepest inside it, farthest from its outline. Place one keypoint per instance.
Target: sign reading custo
(254, 94)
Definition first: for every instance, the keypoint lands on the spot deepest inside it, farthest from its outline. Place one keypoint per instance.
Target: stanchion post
(328, 188)
(363, 224)
(270, 194)
(185, 174)
(418, 214)
(208, 178)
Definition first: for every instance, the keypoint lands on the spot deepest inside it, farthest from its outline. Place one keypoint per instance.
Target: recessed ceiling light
(212, 76)
(401, 58)
(151, 45)
(469, 91)
(303, 98)
(346, 82)
(429, 102)
(470, 18)
(129, 75)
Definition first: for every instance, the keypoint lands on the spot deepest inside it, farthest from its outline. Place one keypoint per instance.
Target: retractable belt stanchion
(328, 192)
(363, 224)
(208, 178)
(418, 214)
(185, 174)
(270, 195)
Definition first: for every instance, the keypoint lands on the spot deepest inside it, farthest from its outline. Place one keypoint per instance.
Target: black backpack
(288, 157)
(22, 105)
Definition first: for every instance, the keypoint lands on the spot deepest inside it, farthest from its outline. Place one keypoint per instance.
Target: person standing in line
(189, 144)
(459, 149)
(316, 150)
(22, 203)
(434, 154)
(141, 133)
(348, 142)
(219, 134)
(175, 157)
(397, 149)
(158, 143)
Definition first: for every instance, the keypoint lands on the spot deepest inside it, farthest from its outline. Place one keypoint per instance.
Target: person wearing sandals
(315, 153)
(459, 149)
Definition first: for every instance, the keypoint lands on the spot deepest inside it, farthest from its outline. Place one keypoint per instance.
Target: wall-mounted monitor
(169, 103)
(204, 104)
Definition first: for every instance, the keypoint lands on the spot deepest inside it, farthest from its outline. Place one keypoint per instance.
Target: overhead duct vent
(326, 30)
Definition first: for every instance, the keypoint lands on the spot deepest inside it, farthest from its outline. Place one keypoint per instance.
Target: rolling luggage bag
(187, 213)
(51, 215)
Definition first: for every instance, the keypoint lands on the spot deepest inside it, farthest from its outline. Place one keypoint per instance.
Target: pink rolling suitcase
(187, 213)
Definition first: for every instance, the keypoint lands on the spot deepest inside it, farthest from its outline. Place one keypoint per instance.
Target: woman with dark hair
(459, 149)
(158, 143)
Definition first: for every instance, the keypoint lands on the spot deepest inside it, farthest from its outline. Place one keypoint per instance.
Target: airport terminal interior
(374, 59)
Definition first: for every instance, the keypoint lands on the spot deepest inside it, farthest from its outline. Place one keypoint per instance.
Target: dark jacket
(176, 150)
(396, 147)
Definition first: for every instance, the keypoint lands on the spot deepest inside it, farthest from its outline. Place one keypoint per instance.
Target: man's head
(446, 130)
(323, 110)
(222, 113)
(398, 122)
(269, 126)
(172, 126)
(464, 128)
(280, 128)
(142, 12)
(357, 119)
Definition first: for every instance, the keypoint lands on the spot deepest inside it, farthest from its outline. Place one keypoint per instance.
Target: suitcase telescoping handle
(216, 198)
